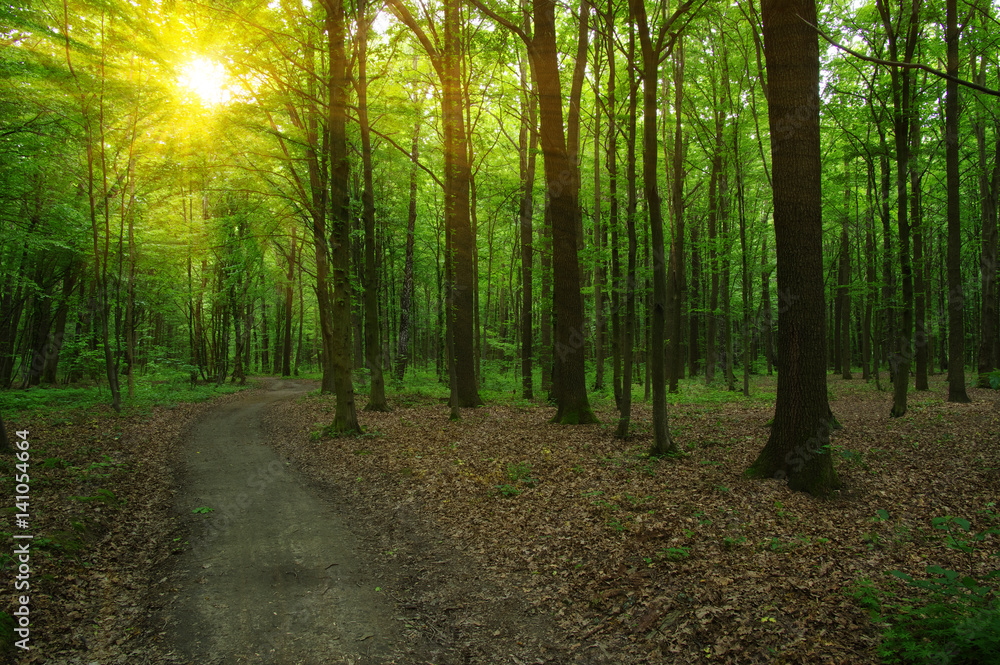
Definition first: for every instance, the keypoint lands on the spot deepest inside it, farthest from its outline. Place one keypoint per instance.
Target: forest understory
(628, 558)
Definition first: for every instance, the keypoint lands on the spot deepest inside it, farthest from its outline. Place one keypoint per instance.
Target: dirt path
(272, 574)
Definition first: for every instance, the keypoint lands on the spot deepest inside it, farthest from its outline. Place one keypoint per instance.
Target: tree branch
(905, 65)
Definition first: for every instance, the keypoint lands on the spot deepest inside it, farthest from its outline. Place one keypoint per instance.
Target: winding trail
(272, 574)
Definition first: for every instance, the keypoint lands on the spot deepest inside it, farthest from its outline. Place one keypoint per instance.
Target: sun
(207, 80)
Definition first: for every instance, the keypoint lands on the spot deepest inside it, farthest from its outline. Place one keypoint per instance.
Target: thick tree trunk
(345, 418)
(5, 445)
(901, 80)
(798, 446)
(662, 441)
(573, 407)
(956, 298)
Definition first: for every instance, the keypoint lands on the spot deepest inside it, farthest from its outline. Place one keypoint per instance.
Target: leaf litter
(594, 553)
(671, 560)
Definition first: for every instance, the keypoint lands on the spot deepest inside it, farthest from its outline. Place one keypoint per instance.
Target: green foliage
(202, 510)
(675, 553)
(947, 616)
(518, 479)
(103, 495)
(993, 379)
(520, 472)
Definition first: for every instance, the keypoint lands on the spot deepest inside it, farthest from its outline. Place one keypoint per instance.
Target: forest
(600, 214)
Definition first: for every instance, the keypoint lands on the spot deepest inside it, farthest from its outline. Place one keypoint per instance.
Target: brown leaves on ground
(675, 560)
(100, 511)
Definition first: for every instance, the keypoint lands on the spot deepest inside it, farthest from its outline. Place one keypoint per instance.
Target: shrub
(946, 618)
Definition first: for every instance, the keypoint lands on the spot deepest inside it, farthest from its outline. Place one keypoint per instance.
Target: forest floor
(499, 538)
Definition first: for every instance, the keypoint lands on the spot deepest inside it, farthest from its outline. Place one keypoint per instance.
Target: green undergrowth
(501, 385)
(159, 389)
(948, 616)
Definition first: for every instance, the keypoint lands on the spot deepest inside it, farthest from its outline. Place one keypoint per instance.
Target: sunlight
(207, 79)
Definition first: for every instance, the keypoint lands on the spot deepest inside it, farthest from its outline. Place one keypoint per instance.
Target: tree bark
(956, 297)
(676, 287)
(628, 333)
(663, 443)
(406, 297)
(798, 446)
(844, 281)
(901, 80)
(373, 341)
(527, 149)
(573, 406)
(345, 419)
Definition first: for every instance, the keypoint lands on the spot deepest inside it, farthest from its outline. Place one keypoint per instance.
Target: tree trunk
(628, 332)
(901, 80)
(989, 194)
(5, 445)
(345, 418)
(798, 446)
(600, 241)
(373, 341)
(405, 299)
(573, 407)
(844, 281)
(527, 149)
(714, 205)
(919, 269)
(765, 297)
(611, 162)
(663, 443)
(956, 298)
(675, 277)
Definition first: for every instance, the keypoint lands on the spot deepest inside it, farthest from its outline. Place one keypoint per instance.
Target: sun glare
(207, 80)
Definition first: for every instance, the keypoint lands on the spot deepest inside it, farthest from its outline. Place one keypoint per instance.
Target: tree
(797, 448)
(446, 58)
(373, 342)
(663, 443)
(956, 298)
(345, 419)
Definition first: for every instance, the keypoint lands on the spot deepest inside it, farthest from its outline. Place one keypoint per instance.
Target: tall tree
(373, 341)
(446, 58)
(406, 297)
(956, 297)
(901, 80)
(663, 443)
(797, 448)
(527, 149)
(345, 418)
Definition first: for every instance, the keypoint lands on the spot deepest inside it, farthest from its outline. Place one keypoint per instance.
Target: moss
(580, 416)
